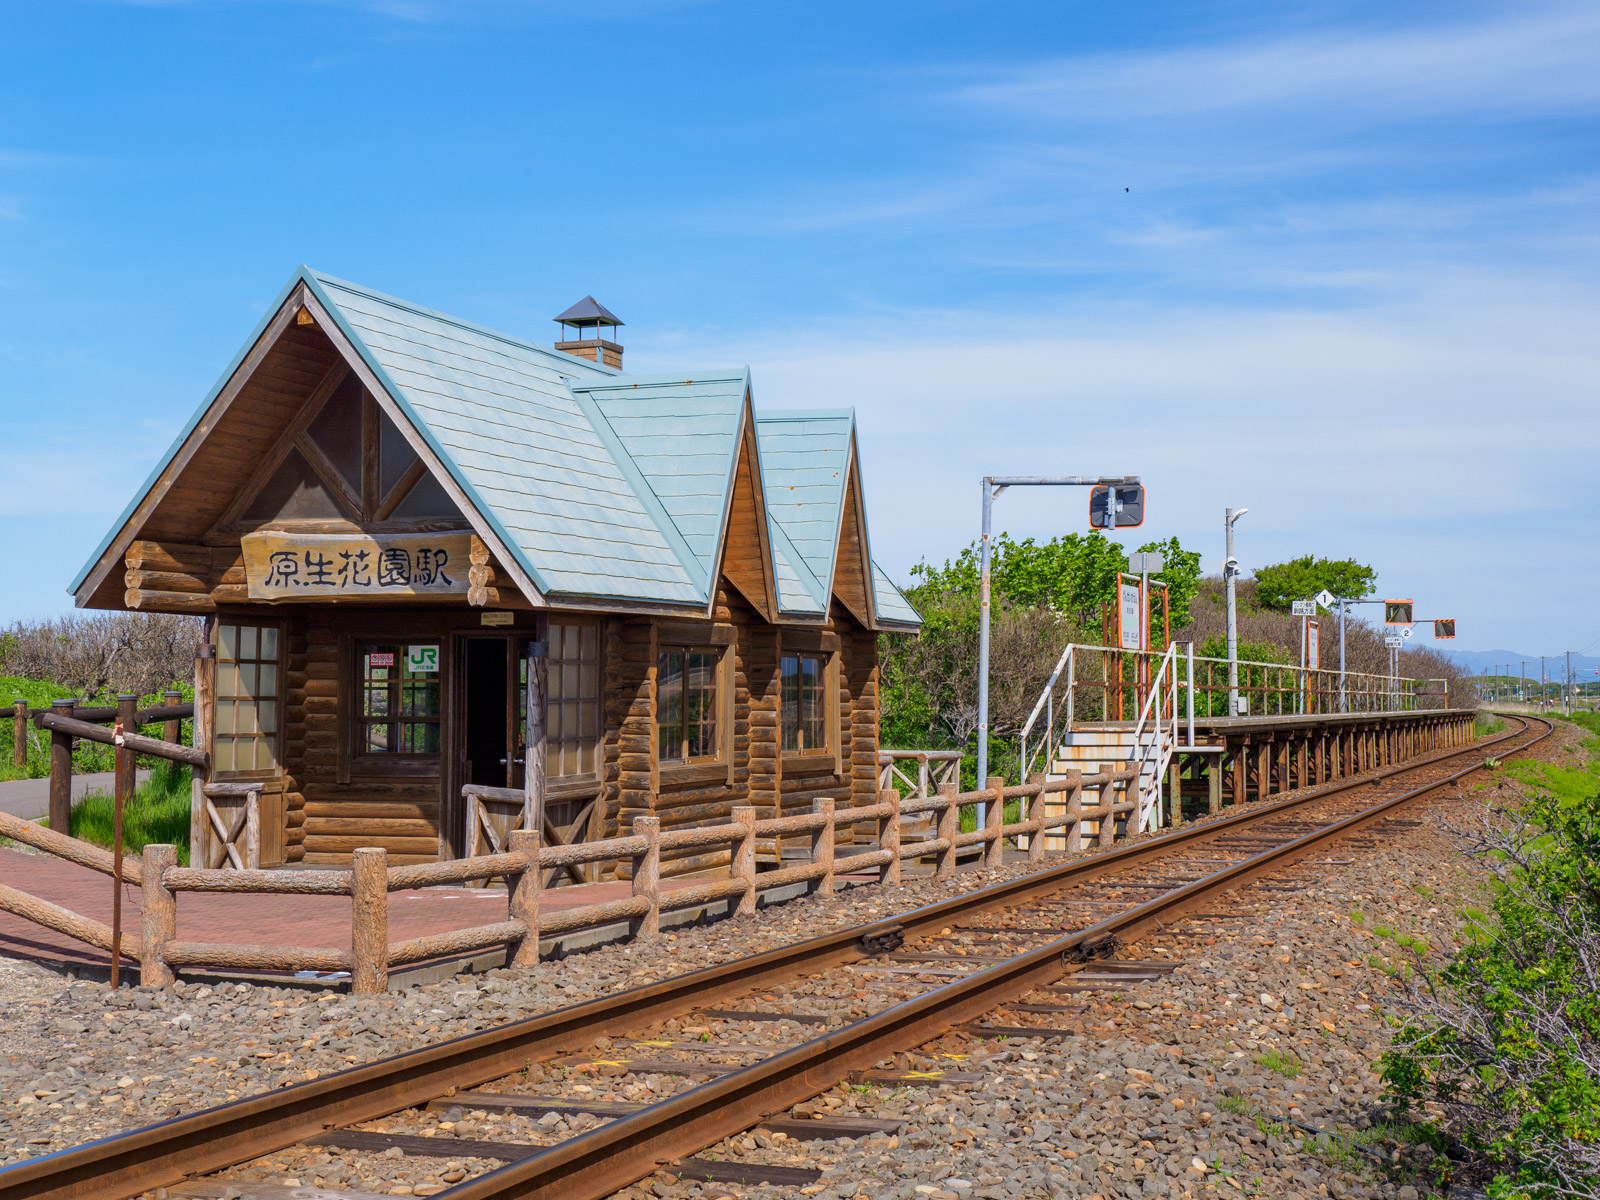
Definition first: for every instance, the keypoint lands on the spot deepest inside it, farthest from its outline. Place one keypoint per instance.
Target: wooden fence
(525, 862)
(67, 723)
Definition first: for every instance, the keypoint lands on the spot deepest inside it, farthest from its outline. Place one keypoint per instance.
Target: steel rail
(596, 1164)
(213, 1139)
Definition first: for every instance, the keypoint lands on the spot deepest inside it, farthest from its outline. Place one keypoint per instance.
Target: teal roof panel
(804, 460)
(682, 433)
(506, 420)
(892, 605)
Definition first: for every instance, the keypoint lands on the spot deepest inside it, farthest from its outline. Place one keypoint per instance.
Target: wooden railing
(67, 723)
(523, 862)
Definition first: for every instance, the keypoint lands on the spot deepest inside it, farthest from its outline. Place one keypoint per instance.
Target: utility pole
(1566, 692)
(1230, 571)
(993, 485)
(1544, 682)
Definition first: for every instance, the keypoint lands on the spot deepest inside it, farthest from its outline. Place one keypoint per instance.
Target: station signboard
(1129, 611)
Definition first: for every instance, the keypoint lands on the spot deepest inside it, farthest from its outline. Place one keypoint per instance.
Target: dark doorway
(486, 697)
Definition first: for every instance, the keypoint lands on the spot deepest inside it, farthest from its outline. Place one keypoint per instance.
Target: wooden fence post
(1036, 810)
(743, 867)
(822, 842)
(889, 836)
(61, 772)
(522, 890)
(172, 727)
(19, 732)
(158, 916)
(1073, 830)
(1175, 791)
(647, 875)
(949, 827)
(994, 845)
(205, 659)
(369, 920)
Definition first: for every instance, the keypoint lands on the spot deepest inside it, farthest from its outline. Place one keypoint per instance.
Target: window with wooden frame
(572, 700)
(399, 688)
(245, 736)
(686, 704)
(803, 689)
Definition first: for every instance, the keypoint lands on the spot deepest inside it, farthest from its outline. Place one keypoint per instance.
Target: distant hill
(1479, 662)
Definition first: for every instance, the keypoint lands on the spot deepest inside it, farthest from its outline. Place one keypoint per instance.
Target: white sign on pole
(1129, 626)
(1146, 562)
(1313, 647)
(1326, 598)
(1406, 632)
(1303, 608)
(1393, 642)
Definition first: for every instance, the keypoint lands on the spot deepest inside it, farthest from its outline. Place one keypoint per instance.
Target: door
(490, 749)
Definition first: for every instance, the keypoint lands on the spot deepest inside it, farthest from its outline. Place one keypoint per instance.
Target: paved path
(30, 798)
(320, 921)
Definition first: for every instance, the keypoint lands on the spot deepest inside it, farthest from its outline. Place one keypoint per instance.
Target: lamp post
(1230, 571)
(993, 485)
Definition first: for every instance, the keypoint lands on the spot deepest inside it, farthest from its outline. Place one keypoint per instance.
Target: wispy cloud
(1534, 62)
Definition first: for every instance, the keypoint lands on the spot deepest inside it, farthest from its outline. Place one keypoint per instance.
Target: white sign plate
(1326, 598)
(1128, 599)
(1394, 643)
(1303, 608)
(422, 660)
(1313, 646)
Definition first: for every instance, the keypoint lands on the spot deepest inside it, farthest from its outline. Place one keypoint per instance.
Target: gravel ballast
(1181, 1086)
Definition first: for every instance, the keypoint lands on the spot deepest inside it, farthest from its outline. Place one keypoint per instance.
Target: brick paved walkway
(322, 921)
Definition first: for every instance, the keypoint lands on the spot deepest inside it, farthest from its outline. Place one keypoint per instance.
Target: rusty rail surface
(598, 1163)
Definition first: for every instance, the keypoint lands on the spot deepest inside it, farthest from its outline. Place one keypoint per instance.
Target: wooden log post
(1175, 792)
(1240, 755)
(994, 818)
(1264, 771)
(1214, 782)
(158, 916)
(1110, 793)
(949, 825)
(172, 727)
(743, 866)
(647, 876)
(369, 920)
(889, 836)
(205, 668)
(1074, 828)
(1036, 814)
(61, 772)
(822, 842)
(19, 732)
(522, 891)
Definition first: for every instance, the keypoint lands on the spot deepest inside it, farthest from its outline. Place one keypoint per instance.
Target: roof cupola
(587, 330)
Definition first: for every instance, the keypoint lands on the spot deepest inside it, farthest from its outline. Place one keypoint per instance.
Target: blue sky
(1333, 262)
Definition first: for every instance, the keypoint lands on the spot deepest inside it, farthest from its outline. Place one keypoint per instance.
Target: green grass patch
(1485, 724)
(158, 812)
(1283, 1062)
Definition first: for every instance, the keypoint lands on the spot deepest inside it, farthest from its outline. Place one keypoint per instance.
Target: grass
(1285, 1064)
(1486, 723)
(159, 812)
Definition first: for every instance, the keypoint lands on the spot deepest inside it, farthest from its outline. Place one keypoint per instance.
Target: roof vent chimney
(584, 327)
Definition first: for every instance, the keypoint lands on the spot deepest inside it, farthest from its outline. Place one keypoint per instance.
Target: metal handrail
(1143, 754)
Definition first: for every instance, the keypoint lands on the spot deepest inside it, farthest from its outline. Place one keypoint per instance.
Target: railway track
(737, 1045)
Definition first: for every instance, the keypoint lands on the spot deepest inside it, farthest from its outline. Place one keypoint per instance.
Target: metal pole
(983, 640)
(1229, 570)
(1344, 607)
(1191, 693)
(1566, 692)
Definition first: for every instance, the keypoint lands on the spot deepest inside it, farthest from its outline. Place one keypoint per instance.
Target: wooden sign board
(294, 566)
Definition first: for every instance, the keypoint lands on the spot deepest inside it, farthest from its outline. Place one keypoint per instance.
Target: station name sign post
(294, 566)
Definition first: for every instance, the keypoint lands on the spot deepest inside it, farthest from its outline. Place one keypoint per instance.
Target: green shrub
(158, 812)
(1506, 1037)
(1284, 1063)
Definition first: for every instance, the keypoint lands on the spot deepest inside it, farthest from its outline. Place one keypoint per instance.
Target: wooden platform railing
(524, 862)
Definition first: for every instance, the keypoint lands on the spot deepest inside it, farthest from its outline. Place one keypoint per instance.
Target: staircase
(1114, 746)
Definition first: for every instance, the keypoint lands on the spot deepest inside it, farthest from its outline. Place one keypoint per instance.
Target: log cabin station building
(431, 556)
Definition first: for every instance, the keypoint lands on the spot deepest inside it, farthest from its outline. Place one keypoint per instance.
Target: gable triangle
(852, 578)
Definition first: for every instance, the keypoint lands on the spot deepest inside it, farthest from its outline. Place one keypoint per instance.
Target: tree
(1302, 578)
(1074, 574)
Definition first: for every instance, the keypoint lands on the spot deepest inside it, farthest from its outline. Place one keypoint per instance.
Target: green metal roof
(602, 485)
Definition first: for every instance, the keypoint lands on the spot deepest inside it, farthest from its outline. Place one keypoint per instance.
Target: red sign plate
(382, 658)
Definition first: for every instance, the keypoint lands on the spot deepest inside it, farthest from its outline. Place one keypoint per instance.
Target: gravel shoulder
(1092, 1113)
